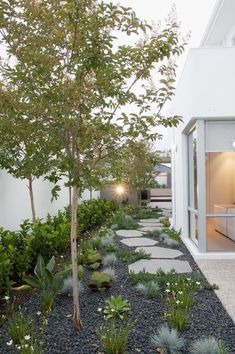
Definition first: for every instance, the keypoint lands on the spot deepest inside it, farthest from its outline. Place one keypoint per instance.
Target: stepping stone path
(129, 233)
(161, 257)
(160, 252)
(139, 241)
(153, 265)
(150, 224)
(151, 228)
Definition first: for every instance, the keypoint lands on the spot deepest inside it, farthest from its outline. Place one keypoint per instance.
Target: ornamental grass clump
(111, 272)
(150, 288)
(205, 346)
(167, 340)
(109, 260)
(114, 337)
(132, 256)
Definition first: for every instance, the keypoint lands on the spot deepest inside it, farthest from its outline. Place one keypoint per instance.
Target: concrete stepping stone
(150, 224)
(151, 228)
(150, 220)
(129, 233)
(139, 241)
(160, 252)
(154, 265)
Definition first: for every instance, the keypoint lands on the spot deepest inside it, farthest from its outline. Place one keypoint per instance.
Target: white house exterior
(203, 153)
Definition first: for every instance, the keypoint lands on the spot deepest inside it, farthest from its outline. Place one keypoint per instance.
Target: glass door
(192, 185)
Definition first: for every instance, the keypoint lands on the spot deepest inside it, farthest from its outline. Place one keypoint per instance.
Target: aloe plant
(48, 282)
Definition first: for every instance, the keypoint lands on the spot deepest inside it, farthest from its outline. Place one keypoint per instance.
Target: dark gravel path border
(208, 317)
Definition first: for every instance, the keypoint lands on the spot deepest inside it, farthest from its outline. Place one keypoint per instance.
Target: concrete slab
(138, 241)
(129, 233)
(221, 272)
(150, 224)
(153, 265)
(150, 220)
(160, 252)
(150, 228)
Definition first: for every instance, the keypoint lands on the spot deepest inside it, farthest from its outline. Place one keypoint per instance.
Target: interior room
(220, 180)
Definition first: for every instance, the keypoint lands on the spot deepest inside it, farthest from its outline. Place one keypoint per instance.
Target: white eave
(221, 22)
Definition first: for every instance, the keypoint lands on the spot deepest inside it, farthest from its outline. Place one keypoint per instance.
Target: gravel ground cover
(208, 317)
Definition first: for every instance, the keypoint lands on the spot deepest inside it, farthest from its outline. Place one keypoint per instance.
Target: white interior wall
(220, 179)
(15, 201)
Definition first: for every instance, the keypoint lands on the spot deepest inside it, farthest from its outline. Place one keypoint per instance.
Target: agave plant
(167, 340)
(205, 346)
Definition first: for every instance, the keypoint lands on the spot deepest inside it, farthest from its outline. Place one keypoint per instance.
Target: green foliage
(5, 272)
(48, 282)
(81, 272)
(114, 337)
(22, 330)
(116, 308)
(149, 288)
(124, 221)
(142, 277)
(111, 272)
(168, 240)
(222, 348)
(154, 233)
(94, 213)
(147, 213)
(99, 281)
(93, 260)
(178, 318)
(131, 256)
(172, 233)
(166, 222)
(205, 346)
(168, 340)
(67, 287)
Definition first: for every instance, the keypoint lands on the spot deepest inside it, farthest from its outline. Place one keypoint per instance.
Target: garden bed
(208, 317)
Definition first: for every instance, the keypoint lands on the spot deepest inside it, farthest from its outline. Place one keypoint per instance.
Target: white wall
(206, 89)
(15, 201)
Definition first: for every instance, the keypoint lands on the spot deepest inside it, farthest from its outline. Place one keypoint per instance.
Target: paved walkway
(221, 272)
(161, 257)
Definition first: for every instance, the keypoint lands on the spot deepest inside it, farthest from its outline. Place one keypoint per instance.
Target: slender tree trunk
(91, 193)
(73, 238)
(30, 187)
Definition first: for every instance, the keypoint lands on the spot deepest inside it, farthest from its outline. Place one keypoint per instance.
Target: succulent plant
(93, 260)
(207, 345)
(116, 307)
(168, 340)
(99, 281)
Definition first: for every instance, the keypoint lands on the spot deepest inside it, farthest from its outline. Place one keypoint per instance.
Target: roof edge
(213, 18)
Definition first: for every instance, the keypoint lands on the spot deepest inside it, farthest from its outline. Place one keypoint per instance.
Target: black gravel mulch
(208, 318)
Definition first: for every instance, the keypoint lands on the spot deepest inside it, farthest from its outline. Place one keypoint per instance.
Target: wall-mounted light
(120, 190)
(233, 144)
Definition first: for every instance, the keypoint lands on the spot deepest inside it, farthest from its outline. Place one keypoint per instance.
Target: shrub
(93, 260)
(150, 288)
(166, 222)
(146, 213)
(116, 308)
(123, 221)
(132, 256)
(168, 340)
(114, 337)
(5, 272)
(142, 277)
(205, 346)
(99, 281)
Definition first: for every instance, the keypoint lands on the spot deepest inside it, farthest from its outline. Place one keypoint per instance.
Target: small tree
(73, 69)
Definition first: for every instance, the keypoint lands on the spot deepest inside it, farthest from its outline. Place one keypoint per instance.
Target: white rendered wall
(15, 202)
(205, 90)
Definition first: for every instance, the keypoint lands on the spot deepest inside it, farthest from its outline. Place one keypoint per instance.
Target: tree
(135, 165)
(72, 68)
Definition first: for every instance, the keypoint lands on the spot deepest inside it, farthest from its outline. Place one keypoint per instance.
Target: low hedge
(19, 249)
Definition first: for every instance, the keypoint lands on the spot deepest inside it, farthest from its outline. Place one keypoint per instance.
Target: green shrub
(116, 308)
(145, 213)
(168, 340)
(114, 337)
(5, 272)
(142, 277)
